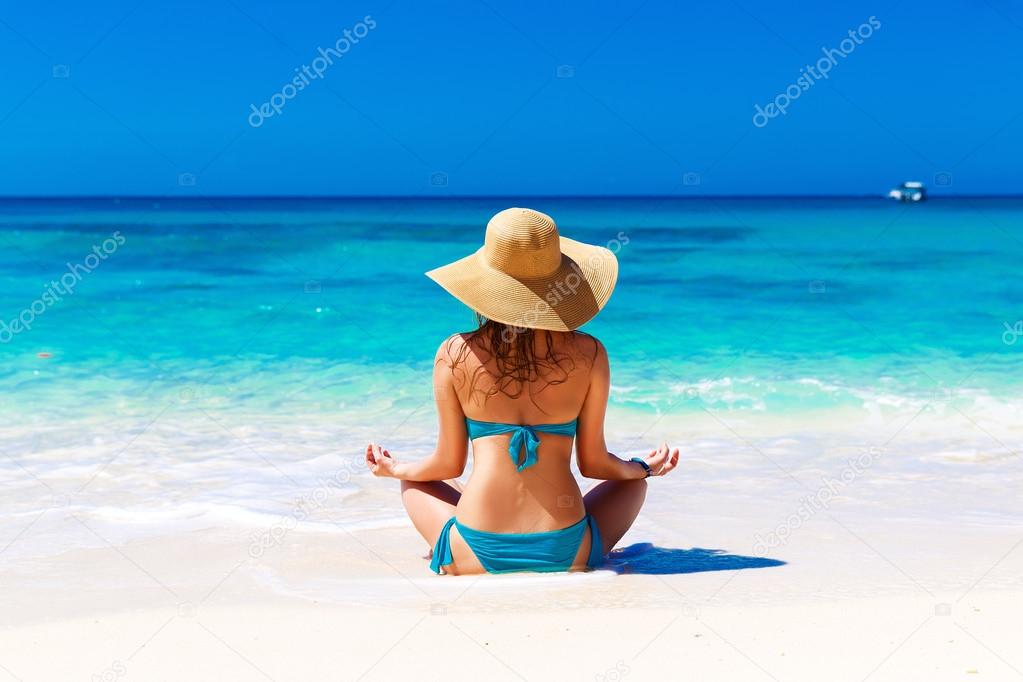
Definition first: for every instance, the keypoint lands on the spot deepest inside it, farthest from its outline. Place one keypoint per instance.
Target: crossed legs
(613, 504)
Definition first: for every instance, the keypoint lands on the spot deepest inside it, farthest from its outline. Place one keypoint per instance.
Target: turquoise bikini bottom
(510, 552)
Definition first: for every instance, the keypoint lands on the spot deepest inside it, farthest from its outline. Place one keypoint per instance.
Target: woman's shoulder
(588, 346)
(579, 344)
(453, 346)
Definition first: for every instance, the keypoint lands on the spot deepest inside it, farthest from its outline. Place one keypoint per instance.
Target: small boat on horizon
(909, 191)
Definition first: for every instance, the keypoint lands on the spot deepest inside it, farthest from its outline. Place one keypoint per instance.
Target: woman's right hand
(380, 461)
(662, 460)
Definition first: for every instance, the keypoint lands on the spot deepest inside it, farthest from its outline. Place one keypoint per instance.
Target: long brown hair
(514, 352)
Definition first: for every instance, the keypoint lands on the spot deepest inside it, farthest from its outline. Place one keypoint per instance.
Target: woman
(520, 388)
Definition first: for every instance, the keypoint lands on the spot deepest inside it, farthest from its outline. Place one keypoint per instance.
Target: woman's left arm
(448, 459)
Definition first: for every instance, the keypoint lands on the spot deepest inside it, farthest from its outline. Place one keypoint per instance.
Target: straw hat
(526, 275)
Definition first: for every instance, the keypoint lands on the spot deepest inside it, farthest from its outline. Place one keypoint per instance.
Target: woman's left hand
(662, 460)
(380, 461)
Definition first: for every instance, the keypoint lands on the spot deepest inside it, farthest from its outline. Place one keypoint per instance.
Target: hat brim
(565, 300)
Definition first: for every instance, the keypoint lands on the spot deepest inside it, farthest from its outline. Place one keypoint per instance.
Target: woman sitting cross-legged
(522, 387)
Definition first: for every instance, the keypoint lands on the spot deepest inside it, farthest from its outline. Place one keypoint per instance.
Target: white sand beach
(234, 235)
(907, 603)
(903, 574)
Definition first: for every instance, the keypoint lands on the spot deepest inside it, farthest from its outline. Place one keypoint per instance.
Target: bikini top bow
(523, 437)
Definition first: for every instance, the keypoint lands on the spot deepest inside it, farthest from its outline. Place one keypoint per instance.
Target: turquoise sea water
(760, 304)
(228, 356)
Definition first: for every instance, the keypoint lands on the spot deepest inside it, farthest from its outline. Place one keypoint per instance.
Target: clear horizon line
(8, 197)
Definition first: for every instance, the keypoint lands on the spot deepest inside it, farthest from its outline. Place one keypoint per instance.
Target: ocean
(208, 360)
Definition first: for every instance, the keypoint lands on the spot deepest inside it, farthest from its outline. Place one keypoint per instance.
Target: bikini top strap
(523, 437)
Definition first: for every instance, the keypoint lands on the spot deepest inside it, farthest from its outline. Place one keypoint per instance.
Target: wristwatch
(642, 463)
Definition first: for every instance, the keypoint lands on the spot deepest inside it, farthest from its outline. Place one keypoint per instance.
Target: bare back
(542, 497)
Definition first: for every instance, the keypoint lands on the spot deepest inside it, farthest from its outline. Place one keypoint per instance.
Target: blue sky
(461, 98)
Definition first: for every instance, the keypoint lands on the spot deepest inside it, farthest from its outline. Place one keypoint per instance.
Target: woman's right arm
(591, 449)
(452, 451)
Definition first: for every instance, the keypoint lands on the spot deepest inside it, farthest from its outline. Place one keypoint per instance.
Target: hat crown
(522, 243)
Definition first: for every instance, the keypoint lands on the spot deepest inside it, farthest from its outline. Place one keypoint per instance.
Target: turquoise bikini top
(522, 436)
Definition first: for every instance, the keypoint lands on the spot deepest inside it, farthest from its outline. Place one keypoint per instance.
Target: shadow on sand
(646, 558)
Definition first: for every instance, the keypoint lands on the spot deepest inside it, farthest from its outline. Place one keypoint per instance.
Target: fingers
(657, 458)
(379, 452)
(671, 462)
(663, 459)
(379, 460)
